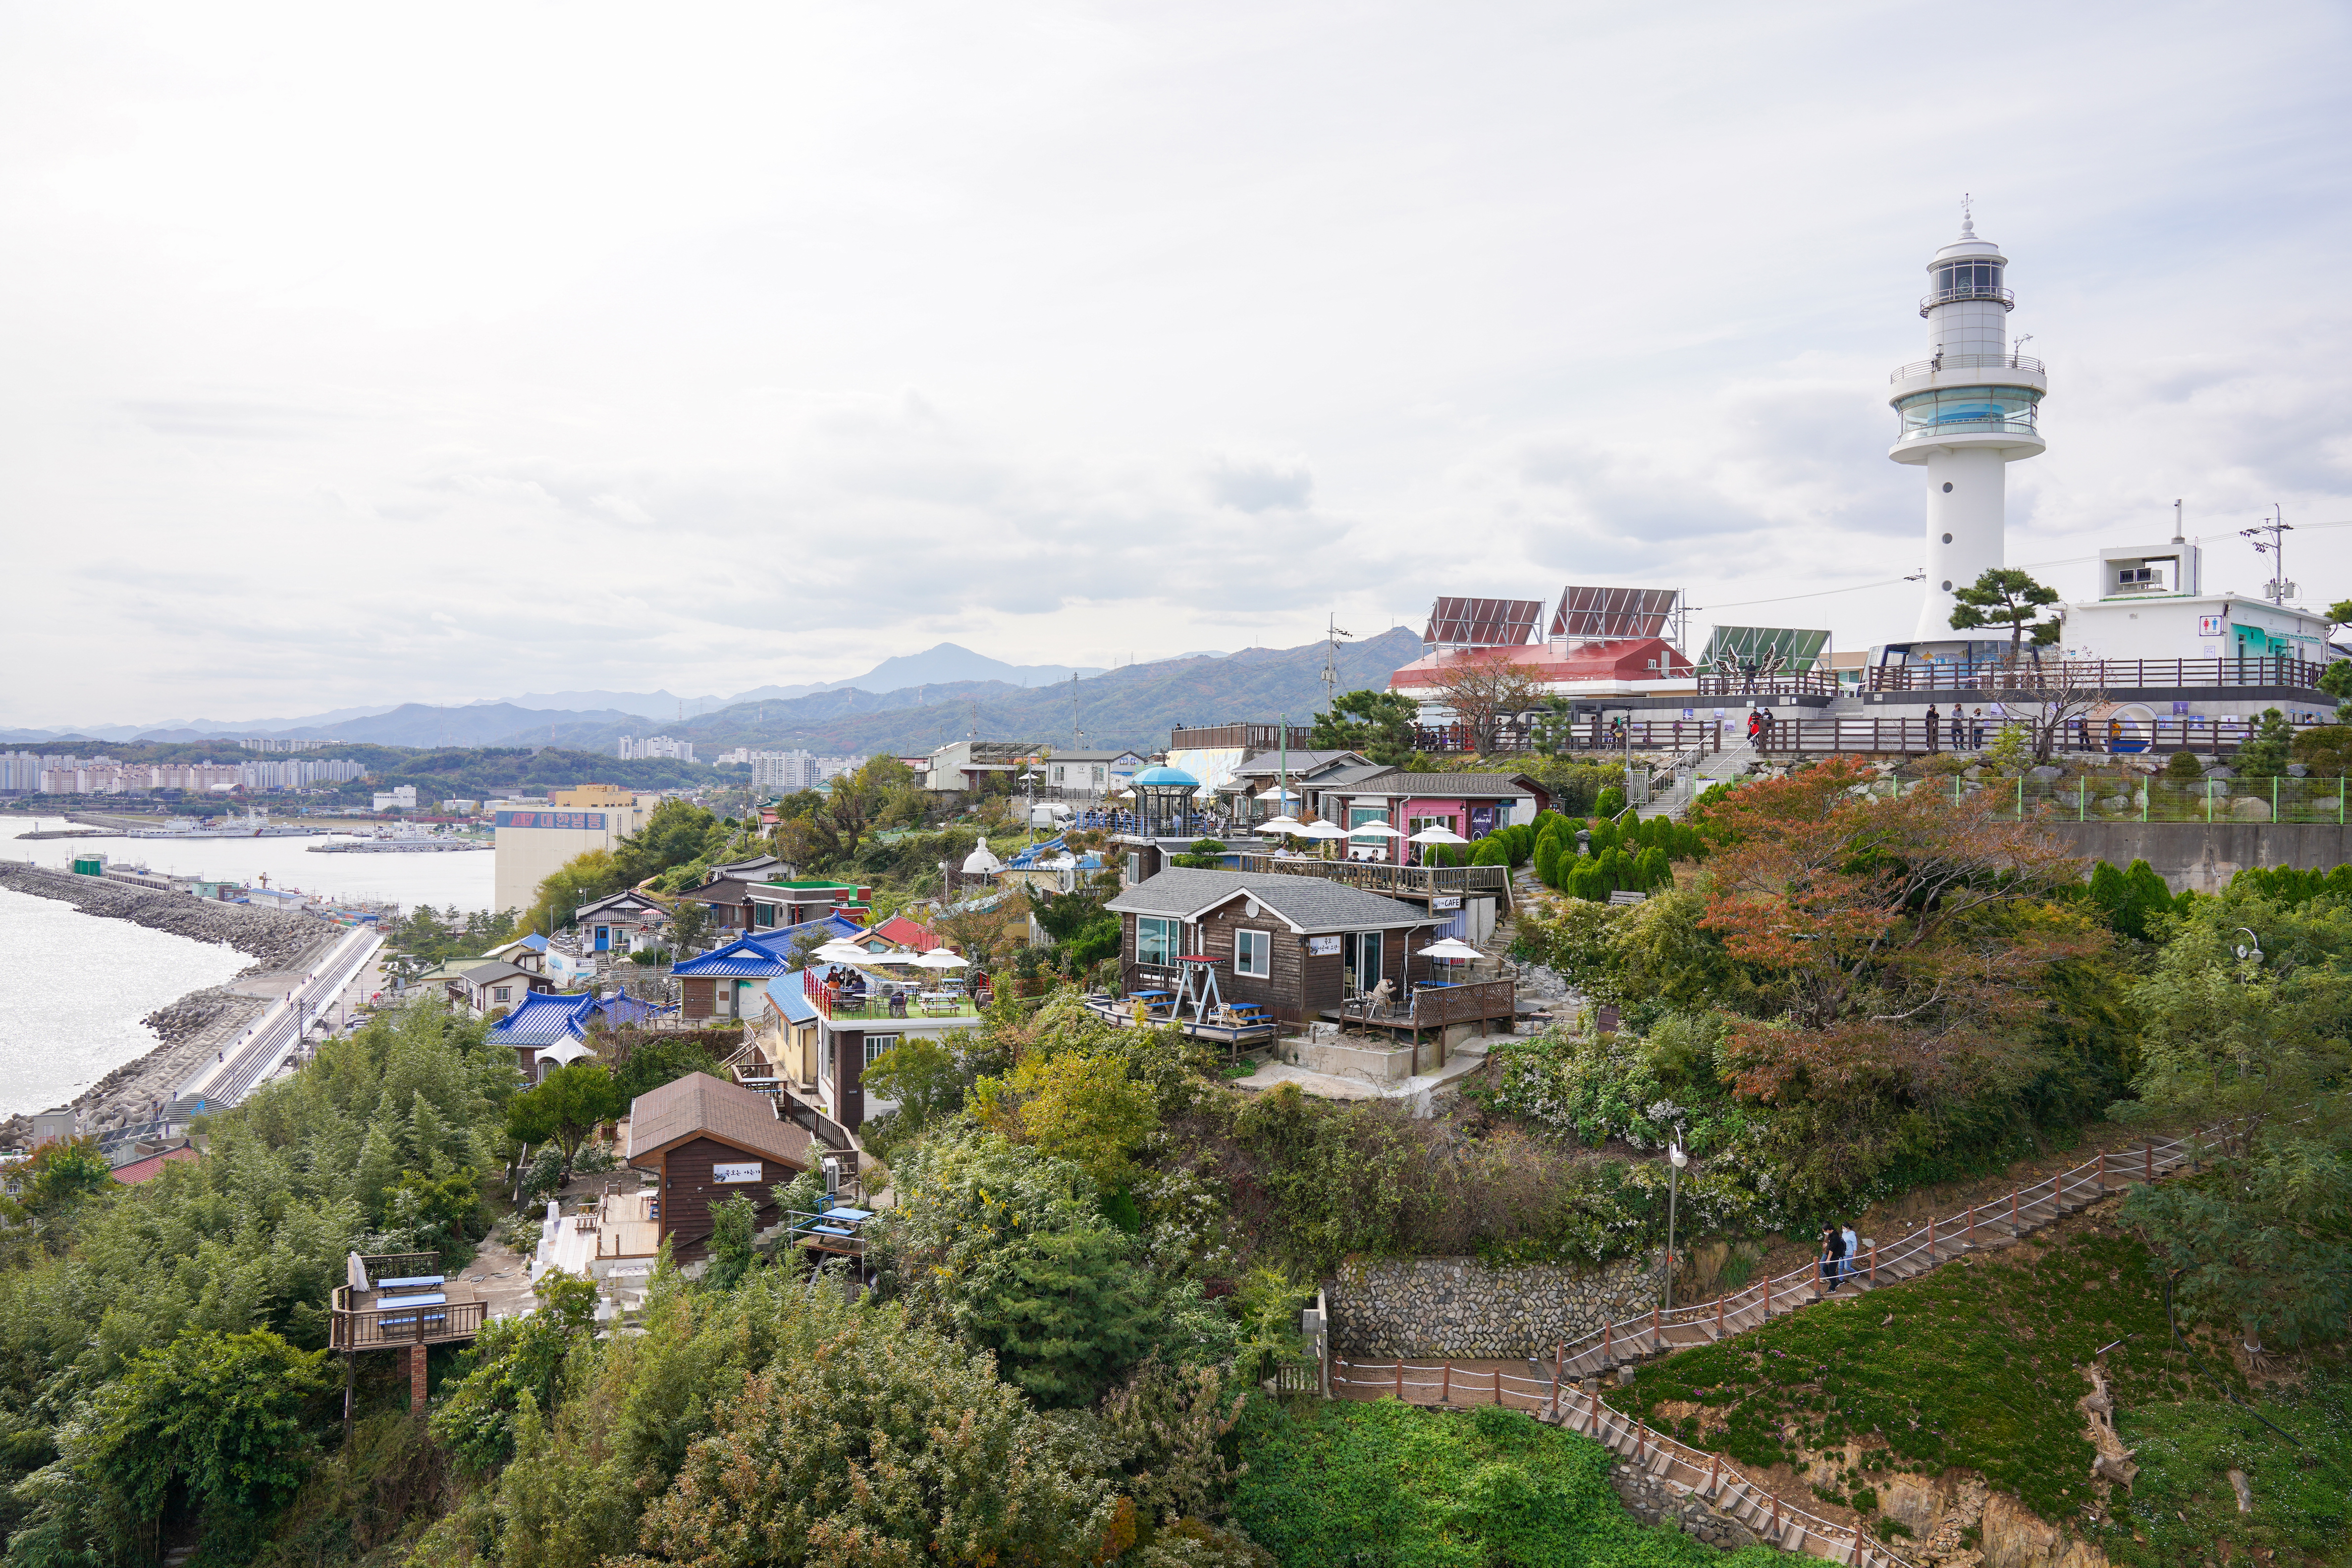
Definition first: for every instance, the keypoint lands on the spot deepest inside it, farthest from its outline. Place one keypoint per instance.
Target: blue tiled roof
(790, 997)
(741, 959)
(542, 1019)
(779, 940)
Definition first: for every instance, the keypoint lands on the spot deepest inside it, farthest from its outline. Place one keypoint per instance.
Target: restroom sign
(2210, 626)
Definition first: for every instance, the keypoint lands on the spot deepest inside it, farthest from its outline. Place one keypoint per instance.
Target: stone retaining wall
(1652, 1501)
(1460, 1307)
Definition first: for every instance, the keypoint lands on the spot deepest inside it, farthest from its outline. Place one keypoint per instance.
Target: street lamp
(1677, 1158)
(2251, 949)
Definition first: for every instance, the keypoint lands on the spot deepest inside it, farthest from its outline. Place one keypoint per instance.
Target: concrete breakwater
(1460, 1307)
(199, 1024)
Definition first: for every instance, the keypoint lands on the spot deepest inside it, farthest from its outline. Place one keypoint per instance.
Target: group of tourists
(1968, 729)
(1841, 1255)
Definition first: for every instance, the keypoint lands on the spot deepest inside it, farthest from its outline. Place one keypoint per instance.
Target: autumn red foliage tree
(1902, 942)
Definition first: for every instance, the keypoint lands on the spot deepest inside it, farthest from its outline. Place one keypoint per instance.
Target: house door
(604, 939)
(1359, 960)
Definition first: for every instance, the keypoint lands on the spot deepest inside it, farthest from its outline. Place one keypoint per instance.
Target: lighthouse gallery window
(1971, 407)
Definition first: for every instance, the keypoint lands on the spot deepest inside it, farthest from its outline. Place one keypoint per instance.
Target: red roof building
(1621, 665)
(148, 1169)
(908, 934)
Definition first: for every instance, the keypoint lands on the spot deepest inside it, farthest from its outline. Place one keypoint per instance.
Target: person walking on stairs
(1832, 1256)
(1853, 1248)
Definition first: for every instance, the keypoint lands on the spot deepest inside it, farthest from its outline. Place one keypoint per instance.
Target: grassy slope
(1394, 1486)
(1978, 1366)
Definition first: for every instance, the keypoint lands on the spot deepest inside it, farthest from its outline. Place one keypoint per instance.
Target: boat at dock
(401, 838)
(254, 824)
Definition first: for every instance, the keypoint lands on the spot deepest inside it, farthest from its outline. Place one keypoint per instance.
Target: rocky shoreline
(202, 1021)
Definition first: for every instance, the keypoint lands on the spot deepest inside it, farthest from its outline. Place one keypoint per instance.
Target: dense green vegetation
(1096, 1252)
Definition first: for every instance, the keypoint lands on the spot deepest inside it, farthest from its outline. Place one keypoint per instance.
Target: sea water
(74, 986)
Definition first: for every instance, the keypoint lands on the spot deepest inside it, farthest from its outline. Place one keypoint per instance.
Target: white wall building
(789, 771)
(653, 746)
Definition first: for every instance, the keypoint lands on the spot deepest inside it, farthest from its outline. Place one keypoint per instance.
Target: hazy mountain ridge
(1131, 706)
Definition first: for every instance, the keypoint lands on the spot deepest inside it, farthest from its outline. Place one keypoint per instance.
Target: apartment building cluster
(29, 773)
(281, 743)
(789, 771)
(653, 746)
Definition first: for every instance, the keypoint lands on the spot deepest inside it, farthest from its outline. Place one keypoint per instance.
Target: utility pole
(1331, 635)
(2277, 589)
(1074, 710)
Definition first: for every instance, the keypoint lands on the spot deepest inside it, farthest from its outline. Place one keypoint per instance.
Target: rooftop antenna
(2177, 538)
(1968, 216)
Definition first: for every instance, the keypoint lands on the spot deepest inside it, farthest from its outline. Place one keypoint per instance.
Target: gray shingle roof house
(1304, 904)
(1294, 945)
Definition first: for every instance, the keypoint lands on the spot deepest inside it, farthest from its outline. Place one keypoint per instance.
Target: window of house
(500, 993)
(1254, 953)
(1155, 940)
(876, 1044)
(1134, 867)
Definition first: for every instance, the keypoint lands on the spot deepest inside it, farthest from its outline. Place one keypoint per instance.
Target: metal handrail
(1941, 362)
(2006, 299)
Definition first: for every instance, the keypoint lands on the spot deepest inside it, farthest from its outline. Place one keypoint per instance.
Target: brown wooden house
(709, 1141)
(1294, 945)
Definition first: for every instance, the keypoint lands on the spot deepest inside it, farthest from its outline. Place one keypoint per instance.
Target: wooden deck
(1435, 1007)
(1236, 1035)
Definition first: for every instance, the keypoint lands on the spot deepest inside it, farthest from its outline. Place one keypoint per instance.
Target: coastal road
(281, 1028)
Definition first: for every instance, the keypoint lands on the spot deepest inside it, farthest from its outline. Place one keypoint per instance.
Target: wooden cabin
(1297, 946)
(708, 1141)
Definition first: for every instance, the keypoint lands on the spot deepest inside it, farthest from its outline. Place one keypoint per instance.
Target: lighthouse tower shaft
(1963, 415)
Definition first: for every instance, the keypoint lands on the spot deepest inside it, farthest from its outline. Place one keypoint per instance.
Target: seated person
(897, 1003)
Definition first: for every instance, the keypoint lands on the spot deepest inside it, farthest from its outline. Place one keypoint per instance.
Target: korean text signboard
(579, 821)
(749, 1173)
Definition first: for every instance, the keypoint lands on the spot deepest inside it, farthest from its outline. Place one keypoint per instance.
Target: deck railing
(2095, 675)
(1380, 877)
(373, 1328)
(2113, 735)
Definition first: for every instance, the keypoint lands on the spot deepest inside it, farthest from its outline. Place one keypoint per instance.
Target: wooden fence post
(1718, 1317)
(1873, 1263)
(2148, 1154)
(1559, 1355)
(1931, 1241)
(1446, 1384)
(2103, 1170)
(1399, 1378)
(1972, 1222)
(2013, 1209)
(1499, 1385)
(1606, 1353)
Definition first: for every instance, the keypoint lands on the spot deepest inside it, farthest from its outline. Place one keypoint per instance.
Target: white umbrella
(1435, 833)
(1279, 824)
(940, 958)
(890, 958)
(1278, 792)
(841, 950)
(1323, 830)
(1373, 829)
(1452, 949)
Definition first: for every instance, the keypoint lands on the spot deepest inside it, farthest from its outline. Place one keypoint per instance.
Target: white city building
(657, 746)
(1965, 413)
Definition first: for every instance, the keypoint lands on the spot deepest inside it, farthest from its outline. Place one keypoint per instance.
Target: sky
(454, 351)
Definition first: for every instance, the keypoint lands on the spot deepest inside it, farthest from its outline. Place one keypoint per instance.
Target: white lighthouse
(1965, 411)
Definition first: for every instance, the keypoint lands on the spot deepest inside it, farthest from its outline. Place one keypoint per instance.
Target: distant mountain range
(947, 662)
(908, 704)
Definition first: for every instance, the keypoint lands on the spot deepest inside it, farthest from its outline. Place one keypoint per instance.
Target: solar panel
(1481, 623)
(1778, 647)
(1605, 614)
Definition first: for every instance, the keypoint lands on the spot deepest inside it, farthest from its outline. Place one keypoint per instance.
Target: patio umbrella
(940, 958)
(841, 950)
(1453, 950)
(1434, 834)
(1323, 831)
(1272, 824)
